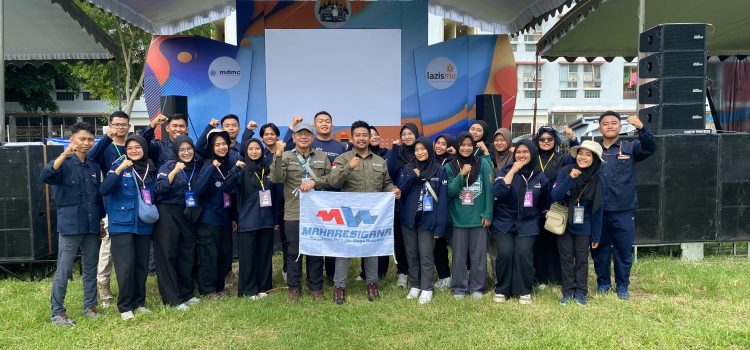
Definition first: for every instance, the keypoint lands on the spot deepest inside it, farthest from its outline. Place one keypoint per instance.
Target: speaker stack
(490, 109)
(678, 64)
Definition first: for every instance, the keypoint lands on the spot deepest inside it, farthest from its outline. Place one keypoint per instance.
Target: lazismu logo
(345, 215)
(441, 73)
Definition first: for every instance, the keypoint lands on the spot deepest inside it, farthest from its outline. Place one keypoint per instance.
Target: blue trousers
(618, 234)
(68, 246)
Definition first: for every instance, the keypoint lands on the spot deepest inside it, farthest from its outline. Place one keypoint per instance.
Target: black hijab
(406, 153)
(429, 167)
(211, 141)
(545, 156)
(446, 157)
(586, 185)
(254, 169)
(483, 140)
(381, 151)
(141, 165)
(474, 161)
(176, 144)
(529, 168)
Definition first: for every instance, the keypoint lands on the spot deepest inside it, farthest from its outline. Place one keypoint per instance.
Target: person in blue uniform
(128, 180)
(160, 151)
(620, 200)
(75, 187)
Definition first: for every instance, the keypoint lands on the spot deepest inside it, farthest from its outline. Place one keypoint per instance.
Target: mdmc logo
(224, 72)
(345, 215)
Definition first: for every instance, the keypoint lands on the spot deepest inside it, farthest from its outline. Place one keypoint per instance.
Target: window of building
(532, 94)
(514, 47)
(520, 129)
(529, 79)
(533, 35)
(563, 119)
(591, 94)
(592, 76)
(629, 82)
(65, 96)
(87, 96)
(530, 48)
(568, 77)
(568, 93)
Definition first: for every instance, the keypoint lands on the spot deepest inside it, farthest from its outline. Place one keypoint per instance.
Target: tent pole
(641, 29)
(536, 92)
(2, 73)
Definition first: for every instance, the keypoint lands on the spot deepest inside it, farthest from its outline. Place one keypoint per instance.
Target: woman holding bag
(581, 186)
(128, 185)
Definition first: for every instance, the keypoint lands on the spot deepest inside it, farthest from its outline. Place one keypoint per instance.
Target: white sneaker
(142, 310)
(182, 307)
(458, 296)
(413, 293)
(401, 282)
(499, 298)
(425, 297)
(477, 295)
(253, 297)
(525, 299)
(128, 315)
(262, 295)
(443, 284)
(193, 301)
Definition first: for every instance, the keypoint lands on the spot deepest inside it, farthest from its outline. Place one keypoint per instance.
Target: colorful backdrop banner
(346, 224)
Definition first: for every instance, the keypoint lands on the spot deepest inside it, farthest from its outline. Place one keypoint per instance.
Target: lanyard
(578, 200)
(144, 176)
(189, 178)
(117, 150)
(459, 172)
(527, 180)
(548, 160)
(260, 179)
(220, 173)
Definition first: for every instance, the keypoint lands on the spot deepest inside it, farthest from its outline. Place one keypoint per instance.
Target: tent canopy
(44, 30)
(609, 28)
(498, 16)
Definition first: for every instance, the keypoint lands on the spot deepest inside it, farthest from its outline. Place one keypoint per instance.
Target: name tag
(227, 200)
(467, 197)
(265, 198)
(427, 202)
(623, 156)
(146, 196)
(578, 215)
(528, 199)
(190, 201)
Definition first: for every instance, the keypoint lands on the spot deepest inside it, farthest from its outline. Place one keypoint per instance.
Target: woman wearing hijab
(128, 180)
(400, 156)
(424, 210)
(478, 130)
(255, 198)
(214, 230)
(174, 233)
(375, 143)
(501, 144)
(521, 194)
(549, 161)
(470, 207)
(580, 185)
(443, 146)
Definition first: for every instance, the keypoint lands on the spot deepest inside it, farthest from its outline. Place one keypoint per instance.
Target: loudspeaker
(174, 104)
(674, 37)
(490, 109)
(674, 118)
(673, 64)
(28, 223)
(673, 90)
(734, 179)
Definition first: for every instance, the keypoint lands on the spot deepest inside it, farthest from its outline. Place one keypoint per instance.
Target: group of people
(475, 192)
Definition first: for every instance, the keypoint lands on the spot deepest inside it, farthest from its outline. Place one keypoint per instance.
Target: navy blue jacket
(619, 170)
(122, 209)
(105, 153)
(507, 204)
(75, 187)
(411, 189)
(175, 193)
(592, 221)
(251, 216)
(160, 151)
(202, 142)
(210, 189)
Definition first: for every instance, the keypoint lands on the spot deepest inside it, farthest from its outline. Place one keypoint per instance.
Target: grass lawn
(673, 305)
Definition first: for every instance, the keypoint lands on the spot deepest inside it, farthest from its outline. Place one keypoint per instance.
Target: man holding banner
(369, 231)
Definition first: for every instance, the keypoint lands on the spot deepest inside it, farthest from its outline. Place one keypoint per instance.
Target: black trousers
(294, 264)
(256, 251)
(402, 266)
(574, 261)
(214, 249)
(130, 258)
(284, 245)
(440, 253)
(174, 250)
(546, 257)
(514, 266)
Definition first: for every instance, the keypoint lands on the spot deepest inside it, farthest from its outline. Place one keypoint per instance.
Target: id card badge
(467, 197)
(528, 199)
(427, 202)
(227, 200)
(578, 214)
(146, 196)
(265, 198)
(190, 201)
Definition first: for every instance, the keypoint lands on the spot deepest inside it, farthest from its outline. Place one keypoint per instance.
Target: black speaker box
(490, 109)
(673, 64)
(674, 118)
(174, 104)
(28, 221)
(734, 179)
(673, 90)
(674, 37)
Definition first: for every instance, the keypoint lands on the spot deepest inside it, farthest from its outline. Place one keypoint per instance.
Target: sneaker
(372, 292)
(477, 295)
(62, 321)
(623, 294)
(339, 295)
(91, 312)
(262, 295)
(401, 281)
(105, 293)
(458, 296)
(443, 284)
(318, 295)
(525, 299)
(580, 298)
(603, 289)
(499, 298)
(566, 299)
(142, 310)
(413, 293)
(193, 301)
(541, 286)
(253, 297)
(182, 307)
(293, 295)
(127, 315)
(425, 297)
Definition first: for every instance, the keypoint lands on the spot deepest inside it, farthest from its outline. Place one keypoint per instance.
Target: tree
(32, 86)
(120, 80)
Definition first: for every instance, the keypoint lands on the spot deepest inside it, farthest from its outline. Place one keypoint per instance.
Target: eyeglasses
(120, 125)
(185, 151)
(546, 139)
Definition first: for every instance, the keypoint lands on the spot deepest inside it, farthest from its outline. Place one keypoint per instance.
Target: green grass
(674, 305)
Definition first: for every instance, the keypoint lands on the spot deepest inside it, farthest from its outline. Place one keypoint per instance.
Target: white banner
(346, 224)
